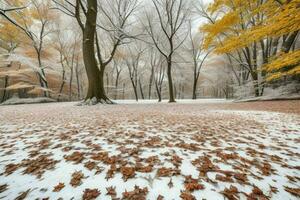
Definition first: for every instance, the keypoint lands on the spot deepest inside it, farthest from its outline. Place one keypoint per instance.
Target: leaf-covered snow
(147, 151)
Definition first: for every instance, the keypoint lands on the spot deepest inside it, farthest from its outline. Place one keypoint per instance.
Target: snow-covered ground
(148, 151)
(181, 101)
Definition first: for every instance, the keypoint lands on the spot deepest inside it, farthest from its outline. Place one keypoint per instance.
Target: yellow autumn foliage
(11, 34)
(275, 69)
(279, 20)
(244, 23)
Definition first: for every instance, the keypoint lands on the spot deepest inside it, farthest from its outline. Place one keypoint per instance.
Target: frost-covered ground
(200, 150)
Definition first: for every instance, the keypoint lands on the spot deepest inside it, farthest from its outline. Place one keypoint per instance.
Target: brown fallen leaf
(273, 189)
(224, 178)
(144, 169)
(137, 194)
(241, 177)
(152, 160)
(192, 184)
(110, 173)
(76, 178)
(127, 172)
(59, 187)
(231, 193)
(23, 195)
(256, 194)
(185, 195)
(10, 168)
(90, 165)
(167, 172)
(293, 191)
(111, 191)
(90, 194)
(176, 160)
(39, 165)
(205, 165)
(266, 169)
(3, 188)
(76, 157)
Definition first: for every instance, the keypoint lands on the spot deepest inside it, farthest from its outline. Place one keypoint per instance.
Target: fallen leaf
(59, 187)
(90, 194)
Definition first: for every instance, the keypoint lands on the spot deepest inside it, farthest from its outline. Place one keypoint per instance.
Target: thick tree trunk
(96, 90)
(170, 81)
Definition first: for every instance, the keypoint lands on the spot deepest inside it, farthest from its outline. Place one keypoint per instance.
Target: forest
(142, 50)
(150, 99)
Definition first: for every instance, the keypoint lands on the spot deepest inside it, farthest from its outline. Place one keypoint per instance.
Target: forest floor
(189, 150)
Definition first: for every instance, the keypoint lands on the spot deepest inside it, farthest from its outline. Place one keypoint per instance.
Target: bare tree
(37, 33)
(171, 16)
(109, 18)
(133, 61)
(198, 56)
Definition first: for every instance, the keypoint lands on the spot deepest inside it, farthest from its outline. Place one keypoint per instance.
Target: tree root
(95, 101)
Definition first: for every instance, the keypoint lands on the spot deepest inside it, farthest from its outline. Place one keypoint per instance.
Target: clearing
(190, 150)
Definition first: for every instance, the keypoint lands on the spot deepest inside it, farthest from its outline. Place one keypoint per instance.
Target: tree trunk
(123, 91)
(287, 44)
(255, 83)
(117, 85)
(107, 83)
(70, 84)
(42, 75)
(135, 90)
(5, 86)
(158, 92)
(141, 89)
(170, 81)
(95, 76)
(195, 88)
(62, 84)
(151, 81)
(77, 80)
